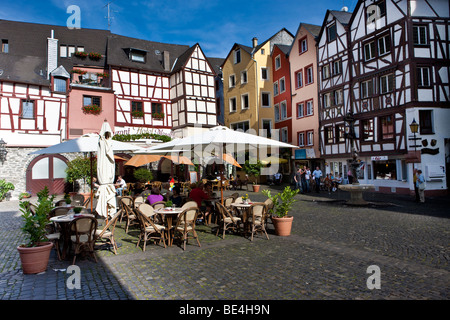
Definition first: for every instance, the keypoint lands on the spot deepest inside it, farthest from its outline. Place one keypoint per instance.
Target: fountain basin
(356, 193)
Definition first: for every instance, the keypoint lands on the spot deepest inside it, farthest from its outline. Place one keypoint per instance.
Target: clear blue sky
(215, 24)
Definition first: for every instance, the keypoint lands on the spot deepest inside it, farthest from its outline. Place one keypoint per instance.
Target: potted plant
(158, 115)
(34, 255)
(95, 56)
(137, 114)
(253, 170)
(143, 175)
(282, 203)
(80, 54)
(26, 194)
(80, 168)
(245, 198)
(168, 204)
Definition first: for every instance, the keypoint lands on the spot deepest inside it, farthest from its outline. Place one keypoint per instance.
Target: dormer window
(59, 84)
(137, 55)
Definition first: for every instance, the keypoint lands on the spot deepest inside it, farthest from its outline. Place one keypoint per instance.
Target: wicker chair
(159, 205)
(186, 225)
(149, 229)
(227, 202)
(107, 233)
(256, 219)
(227, 220)
(83, 235)
(77, 200)
(128, 213)
(138, 201)
(269, 204)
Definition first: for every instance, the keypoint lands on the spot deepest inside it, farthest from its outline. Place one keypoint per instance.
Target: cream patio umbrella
(106, 193)
(87, 143)
(221, 140)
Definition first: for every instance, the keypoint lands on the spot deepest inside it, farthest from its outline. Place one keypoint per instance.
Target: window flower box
(92, 109)
(103, 74)
(137, 114)
(79, 71)
(158, 116)
(95, 56)
(80, 54)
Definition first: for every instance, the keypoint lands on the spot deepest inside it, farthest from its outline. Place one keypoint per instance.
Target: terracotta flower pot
(283, 226)
(256, 187)
(35, 259)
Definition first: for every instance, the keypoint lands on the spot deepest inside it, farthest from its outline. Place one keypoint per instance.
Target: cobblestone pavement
(326, 257)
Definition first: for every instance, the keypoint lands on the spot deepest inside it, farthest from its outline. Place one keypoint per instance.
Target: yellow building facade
(248, 85)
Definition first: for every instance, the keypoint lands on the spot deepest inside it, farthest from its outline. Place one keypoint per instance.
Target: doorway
(47, 170)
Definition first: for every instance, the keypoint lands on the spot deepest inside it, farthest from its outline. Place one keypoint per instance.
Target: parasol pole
(92, 183)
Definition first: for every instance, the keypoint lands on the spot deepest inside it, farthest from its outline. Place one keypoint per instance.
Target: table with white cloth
(64, 223)
(243, 209)
(169, 214)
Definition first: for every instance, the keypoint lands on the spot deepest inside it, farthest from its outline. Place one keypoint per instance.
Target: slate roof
(26, 60)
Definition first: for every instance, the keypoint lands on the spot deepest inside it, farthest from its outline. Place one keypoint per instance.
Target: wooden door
(47, 170)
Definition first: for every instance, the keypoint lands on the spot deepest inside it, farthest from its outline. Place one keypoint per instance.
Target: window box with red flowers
(80, 54)
(103, 74)
(92, 109)
(158, 115)
(95, 56)
(79, 71)
(137, 114)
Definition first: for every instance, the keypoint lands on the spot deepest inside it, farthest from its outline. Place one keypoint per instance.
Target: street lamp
(350, 135)
(3, 151)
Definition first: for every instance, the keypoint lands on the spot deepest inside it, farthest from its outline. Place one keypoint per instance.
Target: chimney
(166, 61)
(255, 42)
(52, 54)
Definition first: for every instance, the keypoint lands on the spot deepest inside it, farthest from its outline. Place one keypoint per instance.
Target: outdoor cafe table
(64, 222)
(245, 207)
(169, 214)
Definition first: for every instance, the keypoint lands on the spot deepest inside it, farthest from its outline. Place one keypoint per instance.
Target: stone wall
(14, 169)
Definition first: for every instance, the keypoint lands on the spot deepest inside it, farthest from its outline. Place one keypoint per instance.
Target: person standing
(303, 179)
(350, 176)
(421, 185)
(307, 177)
(416, 189)
(297, 178)
(317, 174)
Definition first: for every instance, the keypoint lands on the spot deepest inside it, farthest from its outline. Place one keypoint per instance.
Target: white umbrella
(86, 143)
(106, 193)
(216, 139)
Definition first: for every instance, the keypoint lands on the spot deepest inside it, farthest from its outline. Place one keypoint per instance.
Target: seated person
(120, 185)
(146, 191)
(155, 196)
(176, 198)
(200, 193)
(236, 182)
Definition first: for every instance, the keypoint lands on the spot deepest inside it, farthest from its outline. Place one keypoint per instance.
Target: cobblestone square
(326, 258)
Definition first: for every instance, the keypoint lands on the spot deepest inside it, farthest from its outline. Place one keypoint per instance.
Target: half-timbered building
(58, 84)
(399, 70)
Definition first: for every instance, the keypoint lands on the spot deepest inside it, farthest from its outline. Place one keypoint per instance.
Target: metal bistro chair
(83, 235)
(77, 200)
(227, 221)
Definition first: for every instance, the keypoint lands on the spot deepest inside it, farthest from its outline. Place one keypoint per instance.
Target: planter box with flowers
(95, 56)
(80, 54)
(102, 74)
(79, 71)
(158, 115)
(92, 109)
(137, 114)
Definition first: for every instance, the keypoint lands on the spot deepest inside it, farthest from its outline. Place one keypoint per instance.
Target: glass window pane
(59, 169)
(40, 169)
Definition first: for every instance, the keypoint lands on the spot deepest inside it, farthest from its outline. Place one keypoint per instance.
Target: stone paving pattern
(326, 257)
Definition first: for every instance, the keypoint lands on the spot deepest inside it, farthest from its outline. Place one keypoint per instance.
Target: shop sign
(379, 158)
